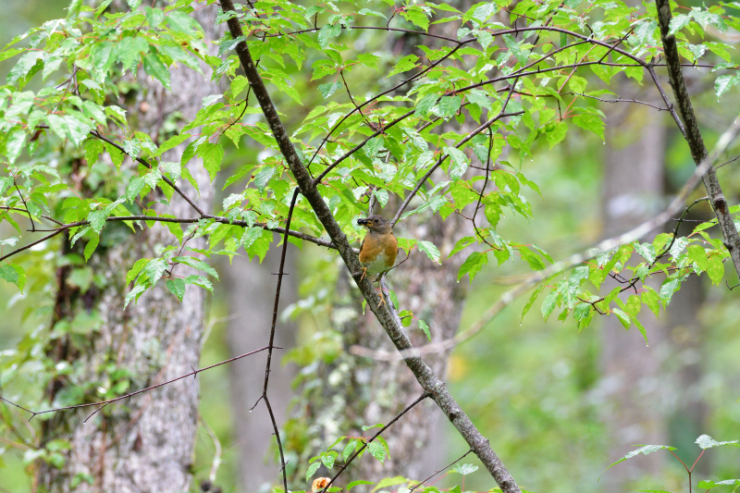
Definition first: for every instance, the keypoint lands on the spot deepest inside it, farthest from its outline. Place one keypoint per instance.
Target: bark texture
(145, 444)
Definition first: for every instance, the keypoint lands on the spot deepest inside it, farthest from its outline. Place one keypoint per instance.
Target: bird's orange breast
(378, 252)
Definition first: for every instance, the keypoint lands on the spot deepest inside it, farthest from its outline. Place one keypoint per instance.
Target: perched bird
(379, 247)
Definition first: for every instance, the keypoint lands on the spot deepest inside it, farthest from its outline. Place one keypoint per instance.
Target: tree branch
(693, 134)
(392, 325)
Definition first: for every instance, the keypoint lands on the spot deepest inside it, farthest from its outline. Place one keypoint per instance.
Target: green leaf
(416, 15)
(137, 291)
(623, 318)
(448, 106)
(97, 220)
(534, 260)
(425, 328)
(212, 155)
(358, 483)
(644, 450)
(349, 450)
(312, 470)
(709, 484)
(651, 299)
(461, 244)
(715, 269)
(458, 163)
(13, 274)
(549, 304)
(425, 104)
(591, 122)
(176, 287)
(24, 65)
(327, 460)
(92, 244)
(430, 250)
(404, 65)
(386, 482)
(155, 269)
(532, 299)
(197, 264)
(705, 442)
(516, 49)
(136, 269)
(154, 66)
(328, 89)
(327, 33)
(263, 177)
(472, 265)
(376, 450)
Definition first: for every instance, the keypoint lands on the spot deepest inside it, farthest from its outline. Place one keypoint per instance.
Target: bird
(379, 247)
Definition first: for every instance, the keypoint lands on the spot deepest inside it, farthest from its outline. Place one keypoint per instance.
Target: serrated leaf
(376, 450)
(197, 264)
(430, 250)
(709, 484)
(549, 304)
(349, 450)
(532, 299)
(705, 442)
(176, 287)
(263, 177)
(623, 318)
(312, 470)
(458, 163)
(212, 155)
(155, 269)
(472, 265)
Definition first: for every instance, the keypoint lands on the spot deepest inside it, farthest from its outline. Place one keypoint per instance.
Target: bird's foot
(382, 298)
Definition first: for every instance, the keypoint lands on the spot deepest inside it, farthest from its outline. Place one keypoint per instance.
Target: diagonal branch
(392, 325)
(693, 134)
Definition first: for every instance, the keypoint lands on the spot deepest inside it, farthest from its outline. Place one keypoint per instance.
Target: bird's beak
(362, 221)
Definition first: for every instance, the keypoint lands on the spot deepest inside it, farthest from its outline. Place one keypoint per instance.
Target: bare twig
(102, 404)
(364, 445)
(441, 470)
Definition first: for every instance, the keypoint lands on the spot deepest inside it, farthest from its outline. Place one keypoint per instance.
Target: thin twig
(131, 394)
(275, 311)
(443, 469)
(364, 445)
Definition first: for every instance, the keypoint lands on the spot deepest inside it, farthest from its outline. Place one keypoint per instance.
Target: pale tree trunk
(146, 443)
(632, 380)
(250, 289)
(362, 391)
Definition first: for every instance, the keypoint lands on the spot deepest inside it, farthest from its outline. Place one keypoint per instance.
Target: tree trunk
(633, 186)
(145, 443)
(250, 288)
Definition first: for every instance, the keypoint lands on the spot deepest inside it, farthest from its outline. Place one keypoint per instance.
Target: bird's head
(376, 224)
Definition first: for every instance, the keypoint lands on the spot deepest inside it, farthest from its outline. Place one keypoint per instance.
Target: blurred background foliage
(535, 388)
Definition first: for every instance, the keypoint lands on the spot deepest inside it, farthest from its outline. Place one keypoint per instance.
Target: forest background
(522, 381)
